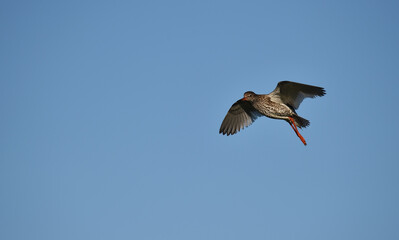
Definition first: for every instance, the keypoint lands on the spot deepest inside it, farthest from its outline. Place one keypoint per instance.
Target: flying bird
(279, 104)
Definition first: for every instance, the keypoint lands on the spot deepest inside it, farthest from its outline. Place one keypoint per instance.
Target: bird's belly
(275, 110)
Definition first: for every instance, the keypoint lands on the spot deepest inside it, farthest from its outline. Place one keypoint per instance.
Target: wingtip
(323, 92)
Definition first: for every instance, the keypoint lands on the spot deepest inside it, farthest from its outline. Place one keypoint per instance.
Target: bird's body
(279, 104)
(272, 109)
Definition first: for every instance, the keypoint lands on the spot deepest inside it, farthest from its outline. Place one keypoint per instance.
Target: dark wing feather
(292, 93)
(240, 115)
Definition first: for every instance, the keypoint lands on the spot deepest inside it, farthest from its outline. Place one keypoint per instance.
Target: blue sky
(110, 112)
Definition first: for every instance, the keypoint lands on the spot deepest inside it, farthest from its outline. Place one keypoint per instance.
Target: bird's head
(249, 96)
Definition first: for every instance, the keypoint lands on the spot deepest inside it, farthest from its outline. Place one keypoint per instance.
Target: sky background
(110, 112)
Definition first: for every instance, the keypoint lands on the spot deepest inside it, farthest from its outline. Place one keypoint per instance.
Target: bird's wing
(240, 115)
(292, 93)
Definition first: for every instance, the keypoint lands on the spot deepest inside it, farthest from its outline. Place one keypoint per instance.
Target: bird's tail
(301, 122)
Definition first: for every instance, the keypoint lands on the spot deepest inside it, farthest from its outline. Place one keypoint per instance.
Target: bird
(281, 103)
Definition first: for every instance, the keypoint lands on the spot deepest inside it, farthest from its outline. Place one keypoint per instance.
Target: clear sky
(110, 112)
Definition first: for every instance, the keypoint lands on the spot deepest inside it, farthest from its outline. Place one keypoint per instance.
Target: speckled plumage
(271, 109)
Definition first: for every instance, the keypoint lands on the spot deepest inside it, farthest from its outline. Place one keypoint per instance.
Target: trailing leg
(292, 124)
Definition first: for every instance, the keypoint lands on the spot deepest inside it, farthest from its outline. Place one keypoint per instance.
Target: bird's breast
(272, 109)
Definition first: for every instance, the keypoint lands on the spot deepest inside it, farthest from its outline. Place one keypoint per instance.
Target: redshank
(279, 104)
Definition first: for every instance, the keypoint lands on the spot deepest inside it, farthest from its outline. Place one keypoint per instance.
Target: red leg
(292, 123)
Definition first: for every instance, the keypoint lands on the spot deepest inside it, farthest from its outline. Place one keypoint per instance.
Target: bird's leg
(292, 124)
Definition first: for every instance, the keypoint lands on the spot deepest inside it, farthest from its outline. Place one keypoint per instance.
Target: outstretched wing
(292, 93)
(240, 115)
